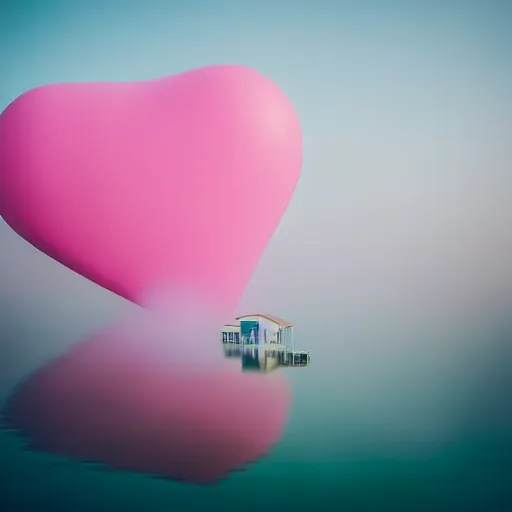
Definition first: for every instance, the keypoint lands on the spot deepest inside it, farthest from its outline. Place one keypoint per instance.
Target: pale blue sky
(402, 215)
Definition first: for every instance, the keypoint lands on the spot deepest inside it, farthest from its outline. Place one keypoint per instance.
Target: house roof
(271, 318)
(233, 323)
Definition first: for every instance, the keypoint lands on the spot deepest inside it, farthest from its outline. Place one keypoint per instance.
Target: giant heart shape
(142, 185)
(134, 398)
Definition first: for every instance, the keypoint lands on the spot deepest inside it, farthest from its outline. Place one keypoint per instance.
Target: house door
(249, 330)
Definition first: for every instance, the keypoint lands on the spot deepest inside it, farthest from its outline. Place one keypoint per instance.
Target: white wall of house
(271, 328)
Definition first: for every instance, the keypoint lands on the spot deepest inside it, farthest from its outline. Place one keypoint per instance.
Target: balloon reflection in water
(134, 399)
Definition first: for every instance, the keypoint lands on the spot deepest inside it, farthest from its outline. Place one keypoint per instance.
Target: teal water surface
(357, 438)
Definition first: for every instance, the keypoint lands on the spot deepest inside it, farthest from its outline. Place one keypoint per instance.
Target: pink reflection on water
(134, 398)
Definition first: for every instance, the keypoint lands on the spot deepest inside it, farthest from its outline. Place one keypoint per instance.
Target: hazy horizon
(394, 256)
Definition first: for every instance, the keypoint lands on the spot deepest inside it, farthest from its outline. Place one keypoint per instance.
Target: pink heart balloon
(130, 398)
(142, 186)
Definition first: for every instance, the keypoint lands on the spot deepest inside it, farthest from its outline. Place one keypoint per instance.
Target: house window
(230, 336)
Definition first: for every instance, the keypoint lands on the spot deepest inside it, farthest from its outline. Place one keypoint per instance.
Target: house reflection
(264, 359)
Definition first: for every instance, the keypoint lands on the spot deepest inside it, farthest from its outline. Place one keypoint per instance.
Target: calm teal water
(365, 432)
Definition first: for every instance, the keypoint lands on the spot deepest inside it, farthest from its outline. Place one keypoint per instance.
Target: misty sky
(402, 214)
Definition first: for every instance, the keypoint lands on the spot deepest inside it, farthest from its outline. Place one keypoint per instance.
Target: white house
(231, 332)
(258, 329)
